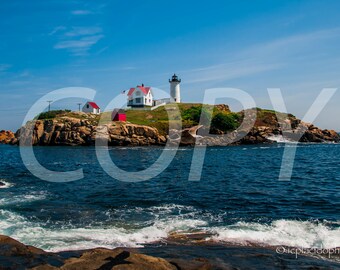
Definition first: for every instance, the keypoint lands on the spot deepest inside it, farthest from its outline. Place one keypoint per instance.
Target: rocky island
(151, 128)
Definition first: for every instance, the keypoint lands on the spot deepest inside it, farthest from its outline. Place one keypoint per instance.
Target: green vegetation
(52, 114)
(225, 122)
(190, 114)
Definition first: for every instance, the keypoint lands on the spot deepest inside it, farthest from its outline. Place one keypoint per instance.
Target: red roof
(94, 105)
(144, 89)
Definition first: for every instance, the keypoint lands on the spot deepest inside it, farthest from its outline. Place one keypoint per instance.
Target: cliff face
(73, 131)
(6, 136)
(266, 130)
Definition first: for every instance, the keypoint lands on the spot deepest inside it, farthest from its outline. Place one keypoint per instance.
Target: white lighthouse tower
(175, 92)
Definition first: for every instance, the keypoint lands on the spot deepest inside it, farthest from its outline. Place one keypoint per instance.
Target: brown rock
(11, 247)
(116, 259)
(15, 255)
(6, 136)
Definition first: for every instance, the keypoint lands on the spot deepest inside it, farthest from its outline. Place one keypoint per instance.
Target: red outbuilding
(118, 115)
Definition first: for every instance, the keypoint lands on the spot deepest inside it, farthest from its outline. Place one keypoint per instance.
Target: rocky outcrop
(73, 131)
(222, 108)
(303, 132)
(15, 255)
(6, 136)
(186, 136)
(85, 130)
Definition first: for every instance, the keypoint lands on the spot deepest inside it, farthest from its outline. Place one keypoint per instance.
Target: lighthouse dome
(175, 78)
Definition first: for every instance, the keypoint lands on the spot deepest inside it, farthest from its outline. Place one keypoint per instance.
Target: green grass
(52, 114)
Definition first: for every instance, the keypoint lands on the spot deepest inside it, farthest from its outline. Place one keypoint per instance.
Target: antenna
(79, 104)
(49, 104)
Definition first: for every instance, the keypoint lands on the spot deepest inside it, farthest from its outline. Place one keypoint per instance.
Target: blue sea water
(239, 198)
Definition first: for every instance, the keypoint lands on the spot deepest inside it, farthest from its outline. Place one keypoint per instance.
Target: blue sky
(111, 46)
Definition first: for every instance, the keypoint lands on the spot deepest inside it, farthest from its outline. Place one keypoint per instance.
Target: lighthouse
(175, 92)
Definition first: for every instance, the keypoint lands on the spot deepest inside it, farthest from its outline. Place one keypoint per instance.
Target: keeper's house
(141, 96)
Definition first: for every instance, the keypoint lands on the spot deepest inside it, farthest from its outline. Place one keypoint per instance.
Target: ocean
(238, 200)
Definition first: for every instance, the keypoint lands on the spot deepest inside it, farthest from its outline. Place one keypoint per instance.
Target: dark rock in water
(15, 255)
(2, 184)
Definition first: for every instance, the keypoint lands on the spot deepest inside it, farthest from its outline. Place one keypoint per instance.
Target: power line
(79, 104)
(49, 104)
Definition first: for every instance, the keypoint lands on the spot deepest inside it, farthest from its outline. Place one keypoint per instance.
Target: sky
(110, 46)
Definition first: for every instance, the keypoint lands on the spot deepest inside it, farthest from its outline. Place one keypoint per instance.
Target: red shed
(118, 115)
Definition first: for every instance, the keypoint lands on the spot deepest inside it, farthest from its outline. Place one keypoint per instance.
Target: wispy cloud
(259, 58)
(57, 29)
(81, 12)
(4, 67)
(228, 71)
(79, 40)
(83, 31)
(292, 43)
(84, 42)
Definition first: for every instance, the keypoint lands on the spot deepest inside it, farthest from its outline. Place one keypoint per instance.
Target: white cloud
(260, 58)
(290, 44)
(83, 31)
(78, 40)
(81, 12)
(84, 42)
(57, 29)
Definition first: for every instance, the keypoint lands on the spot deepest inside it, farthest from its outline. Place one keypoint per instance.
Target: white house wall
(90, 109)
(145, 99)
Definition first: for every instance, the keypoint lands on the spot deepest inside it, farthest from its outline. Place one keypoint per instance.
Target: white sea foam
(281, 232)
(21, 199)
(165, 220)
(279, 139)
(6, 184)
(72, 238)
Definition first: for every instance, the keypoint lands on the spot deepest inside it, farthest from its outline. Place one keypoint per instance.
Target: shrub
(225, 122)
(52, 114)
(194, 114)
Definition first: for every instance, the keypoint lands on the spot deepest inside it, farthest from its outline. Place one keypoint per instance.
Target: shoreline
(145, 129)
(160, 255)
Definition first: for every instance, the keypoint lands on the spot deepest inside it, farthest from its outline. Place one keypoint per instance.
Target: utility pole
(49, 105)
(79, 104)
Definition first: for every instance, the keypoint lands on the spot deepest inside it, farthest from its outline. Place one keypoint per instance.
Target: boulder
(15, 255)
(116, 259)
(6, 136)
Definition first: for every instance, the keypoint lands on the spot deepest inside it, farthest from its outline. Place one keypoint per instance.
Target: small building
(141, 96)
(118, 115)
(91, 107)
(162, 101)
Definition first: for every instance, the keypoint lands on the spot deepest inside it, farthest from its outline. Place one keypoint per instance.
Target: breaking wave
(5, 184)
(304, 234)
(166, 220)
(279, 139)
